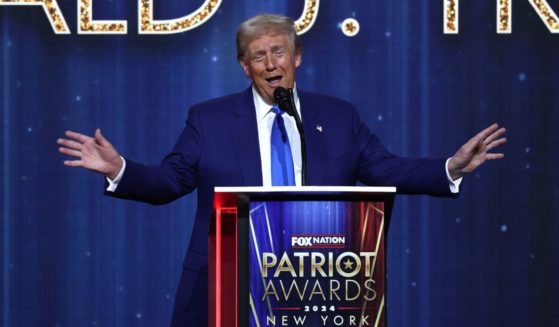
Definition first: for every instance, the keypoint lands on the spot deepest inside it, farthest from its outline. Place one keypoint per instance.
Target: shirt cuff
(113, 183)
(453, 184)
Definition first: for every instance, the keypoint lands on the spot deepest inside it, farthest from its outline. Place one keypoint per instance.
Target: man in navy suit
(226, 142)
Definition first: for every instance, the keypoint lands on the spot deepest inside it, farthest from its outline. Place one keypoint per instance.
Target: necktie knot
(280, 124)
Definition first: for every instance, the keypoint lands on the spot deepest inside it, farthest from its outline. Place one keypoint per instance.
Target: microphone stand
(286, 103)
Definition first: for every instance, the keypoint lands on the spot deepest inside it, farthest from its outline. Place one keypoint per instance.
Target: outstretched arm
(93, 153)
(476, 151)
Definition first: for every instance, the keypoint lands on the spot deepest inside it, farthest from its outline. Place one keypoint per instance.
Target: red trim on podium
(223, 264)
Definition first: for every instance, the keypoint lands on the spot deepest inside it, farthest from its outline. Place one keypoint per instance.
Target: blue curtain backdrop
(71, 256)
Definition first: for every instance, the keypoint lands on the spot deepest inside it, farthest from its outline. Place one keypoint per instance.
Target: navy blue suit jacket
(219, 147)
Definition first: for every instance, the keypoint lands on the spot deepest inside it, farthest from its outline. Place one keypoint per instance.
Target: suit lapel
(244, 132)
(310, 112)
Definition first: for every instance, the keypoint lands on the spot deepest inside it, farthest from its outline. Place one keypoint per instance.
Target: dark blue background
(73, 257)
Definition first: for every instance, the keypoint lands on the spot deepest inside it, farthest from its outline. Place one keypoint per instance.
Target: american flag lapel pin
(319, 128)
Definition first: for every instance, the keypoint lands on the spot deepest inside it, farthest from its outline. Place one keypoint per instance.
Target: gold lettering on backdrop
(54, 15)
(504, 16)
(147, 25)
(86, 24)
(306, 21)
(546, 14)
(450, 17)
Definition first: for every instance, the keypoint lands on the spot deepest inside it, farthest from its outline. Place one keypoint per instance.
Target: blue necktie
(282, 160)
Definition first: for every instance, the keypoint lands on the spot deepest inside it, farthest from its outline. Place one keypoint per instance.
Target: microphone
(284, 99)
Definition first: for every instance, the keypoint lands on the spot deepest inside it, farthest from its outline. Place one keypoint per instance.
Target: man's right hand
(94, 153)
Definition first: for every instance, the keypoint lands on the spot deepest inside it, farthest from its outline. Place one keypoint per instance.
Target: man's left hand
(475, 152)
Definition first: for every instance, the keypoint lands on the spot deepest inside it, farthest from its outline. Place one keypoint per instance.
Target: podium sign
(310, 256)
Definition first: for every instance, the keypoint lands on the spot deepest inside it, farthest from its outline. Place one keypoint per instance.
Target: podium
(299, 256)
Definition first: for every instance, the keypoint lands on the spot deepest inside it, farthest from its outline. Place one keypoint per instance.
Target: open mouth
(274, 80)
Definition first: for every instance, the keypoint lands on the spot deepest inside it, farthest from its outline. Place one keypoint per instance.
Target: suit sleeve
(174, 177)
(378, 167)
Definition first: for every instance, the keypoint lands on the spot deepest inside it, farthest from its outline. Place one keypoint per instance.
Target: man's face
(270, 61)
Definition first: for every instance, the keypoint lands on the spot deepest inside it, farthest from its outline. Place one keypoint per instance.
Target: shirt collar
(262, 108)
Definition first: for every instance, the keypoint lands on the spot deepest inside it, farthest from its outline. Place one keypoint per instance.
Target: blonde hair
(262, 24)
